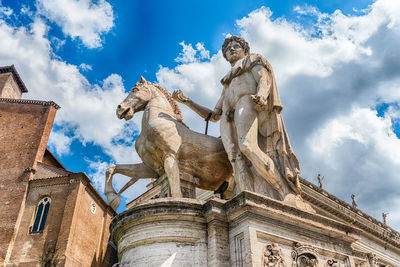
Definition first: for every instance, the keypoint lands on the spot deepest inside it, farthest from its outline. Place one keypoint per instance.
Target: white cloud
(203, 53)
(5, 11)
(359, 153)
(57, 42)
(25, 10)
(189, 54)
(84, 19)
(88, 109)
(363, 126)
(393, 112)
(60, 142)
(307, 10)
(331, 76)
(96, 174)
(393, 217)
(200, 81)
(294, 50)
(85, 67)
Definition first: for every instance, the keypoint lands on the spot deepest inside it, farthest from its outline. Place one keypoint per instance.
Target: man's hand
(216, 114)
(179, 96)
(260, 101)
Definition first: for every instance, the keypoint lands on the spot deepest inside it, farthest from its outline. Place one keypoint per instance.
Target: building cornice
(32, 102)
(11, 69)
(319, 197)
(355, 217)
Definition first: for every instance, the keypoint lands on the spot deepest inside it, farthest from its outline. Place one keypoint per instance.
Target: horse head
(136, 101)
(139, 97)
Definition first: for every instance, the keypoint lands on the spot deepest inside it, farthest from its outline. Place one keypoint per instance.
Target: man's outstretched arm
(199, 109)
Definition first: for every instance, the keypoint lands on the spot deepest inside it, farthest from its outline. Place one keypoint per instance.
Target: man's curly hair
(240, 40)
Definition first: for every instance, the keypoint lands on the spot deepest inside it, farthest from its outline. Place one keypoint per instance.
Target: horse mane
(175, 107)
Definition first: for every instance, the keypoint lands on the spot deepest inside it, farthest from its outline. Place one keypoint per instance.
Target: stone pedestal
(248, 230)
(150, 233)
(188, 185)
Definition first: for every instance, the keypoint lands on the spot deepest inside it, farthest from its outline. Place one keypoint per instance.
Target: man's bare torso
(242, 85)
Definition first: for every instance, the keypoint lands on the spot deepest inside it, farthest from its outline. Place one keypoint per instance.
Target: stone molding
(263, 208)
(33, 102)
(273, 233)
(153, 208)
(354, 217)
(159, 226)
(44, 171)
(50, 181)
(152, 193)
(11, 69)
(252, 203)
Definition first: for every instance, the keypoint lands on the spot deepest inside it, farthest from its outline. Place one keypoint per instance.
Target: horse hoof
(110, 169)
(114, 204)
(113, 200)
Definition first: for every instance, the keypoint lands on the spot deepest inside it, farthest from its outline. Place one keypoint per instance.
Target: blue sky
(336, 62)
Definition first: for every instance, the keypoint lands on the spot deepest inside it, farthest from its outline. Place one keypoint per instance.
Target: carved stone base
(188, 185)
(297, 202)
(151, 233)
(248, 230)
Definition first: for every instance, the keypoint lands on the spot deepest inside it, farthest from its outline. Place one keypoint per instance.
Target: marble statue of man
(252, 128)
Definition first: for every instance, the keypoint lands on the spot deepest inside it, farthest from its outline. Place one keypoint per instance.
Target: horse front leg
(135, 171)
(172, 170)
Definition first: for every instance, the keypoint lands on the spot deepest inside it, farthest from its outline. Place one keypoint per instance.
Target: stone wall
(29, 247)
(8, 87)
(78, 218)
(160, 230)
(76, 226)
(250, 230)
(89, 233)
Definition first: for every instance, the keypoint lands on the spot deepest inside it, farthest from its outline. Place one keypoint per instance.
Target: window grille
(41, 215)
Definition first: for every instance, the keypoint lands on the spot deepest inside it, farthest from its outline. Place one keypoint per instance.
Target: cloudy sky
(337, 65)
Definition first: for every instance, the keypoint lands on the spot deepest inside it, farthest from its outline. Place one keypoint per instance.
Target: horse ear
(142, 79)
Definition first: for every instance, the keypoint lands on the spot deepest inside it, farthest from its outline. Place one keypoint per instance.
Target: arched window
(41, 215)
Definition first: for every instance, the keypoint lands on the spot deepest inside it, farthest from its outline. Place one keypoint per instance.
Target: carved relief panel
(304, 256)
(272, 256)
(332, 263)
(373, 260)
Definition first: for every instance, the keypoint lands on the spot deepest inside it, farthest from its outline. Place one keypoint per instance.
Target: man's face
(234, 52)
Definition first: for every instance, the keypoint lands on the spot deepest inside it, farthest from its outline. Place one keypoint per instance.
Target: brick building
(47, 213)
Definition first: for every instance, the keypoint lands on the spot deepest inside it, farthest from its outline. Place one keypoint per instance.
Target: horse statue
(167, 146)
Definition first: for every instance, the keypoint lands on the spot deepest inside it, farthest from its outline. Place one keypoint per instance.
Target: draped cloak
(272, 136)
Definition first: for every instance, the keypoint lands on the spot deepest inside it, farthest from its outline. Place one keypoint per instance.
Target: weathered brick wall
(24, 132)
(50, 160)
(79, 235)
(29, 247)
(87, 244)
